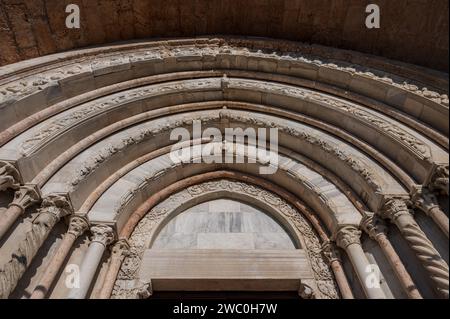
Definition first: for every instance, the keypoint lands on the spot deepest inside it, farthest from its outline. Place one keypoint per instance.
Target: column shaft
(341, 279)
(8, 218)
(120, 250)
(441, 220)
(50, 213)
(23, 198)
(88, 269)
(77, 226)
(348, 238)
(400, 271)
(361, 265)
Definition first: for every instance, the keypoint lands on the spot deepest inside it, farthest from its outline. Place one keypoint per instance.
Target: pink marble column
(119, 251)
(333, 259)
(23, 198)
(78, 225)
(348, 238)
(377, 230)
(427, 202)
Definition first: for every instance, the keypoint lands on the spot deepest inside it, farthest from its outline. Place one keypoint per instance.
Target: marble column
(9, 176)
(77, 226)
(348, 238)
(102, 236)
(427, 202)
(52, 210)
(398, 213)
(332, 257)
(377, 230)
(23, 198)
(119, 251)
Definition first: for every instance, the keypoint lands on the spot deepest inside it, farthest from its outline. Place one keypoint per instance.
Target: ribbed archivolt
(86, 133)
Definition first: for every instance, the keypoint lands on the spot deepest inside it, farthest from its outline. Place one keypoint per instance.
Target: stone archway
(324, 285)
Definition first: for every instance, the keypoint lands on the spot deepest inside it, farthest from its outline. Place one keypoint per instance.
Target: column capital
(393, 208)
(103, 234)
(348, 235)
(25, 196)
(423, 199)
(52, 209)
(9, 176)
(121, 248)
(305, 291)
(439, 179)
(78, 225)
(373, 225)
(330, 252)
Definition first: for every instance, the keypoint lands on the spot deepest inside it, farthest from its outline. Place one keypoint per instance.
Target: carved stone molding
(348, 235)
(157, 51)
(77, 225)
(102, 234)
(25, 197)
(9, 176)
(138, 240)
(373, 225)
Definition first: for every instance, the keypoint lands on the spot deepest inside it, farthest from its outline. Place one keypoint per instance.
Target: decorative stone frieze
(130, 267)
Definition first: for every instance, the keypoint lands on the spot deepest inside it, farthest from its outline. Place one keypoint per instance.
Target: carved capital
(52, 209)
(78, 225)
(393, 208)
(25, 197)
(373, 225)
(121, 248)
(439, 179)
(144, 291)
(423, 199)
(9, 176)
(330, 252)
(103, 234)
(347, 236)
(306, 292)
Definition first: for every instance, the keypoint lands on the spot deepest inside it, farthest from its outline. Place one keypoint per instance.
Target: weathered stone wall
(411, 31)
